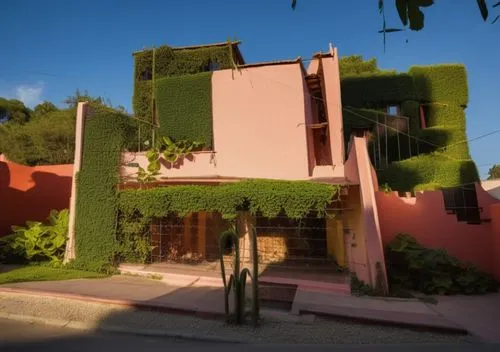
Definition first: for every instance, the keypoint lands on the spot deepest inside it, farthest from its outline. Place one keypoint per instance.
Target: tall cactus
(237, 280)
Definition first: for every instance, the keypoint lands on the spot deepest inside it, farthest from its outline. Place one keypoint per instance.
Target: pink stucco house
(284, 120)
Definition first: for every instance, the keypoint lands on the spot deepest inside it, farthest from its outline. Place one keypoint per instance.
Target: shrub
(428, 168)
(42, 241)
(432, 271)
(49, 139)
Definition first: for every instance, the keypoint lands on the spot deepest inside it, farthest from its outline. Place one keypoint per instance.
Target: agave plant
(237, 280)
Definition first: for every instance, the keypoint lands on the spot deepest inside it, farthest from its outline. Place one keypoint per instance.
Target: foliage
(134, 243)
(441, 92)
(237, 280)
(44, 140)
(45, 273)
(378, 89)
(39, 241)
(106, 133)
(432, 271)
(73, 100)
(441, 83)
(171, 151)
(494, 172)
(355, 65)
(185, 107)
(43, 109)
(270, 198)
(9, 254)
(171, 62)
(432, 168)
(385, 188)
(14, 110)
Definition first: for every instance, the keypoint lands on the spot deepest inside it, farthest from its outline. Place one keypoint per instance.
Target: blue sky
(50, 48)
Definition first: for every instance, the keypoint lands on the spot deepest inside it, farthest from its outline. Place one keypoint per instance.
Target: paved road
(20, 336)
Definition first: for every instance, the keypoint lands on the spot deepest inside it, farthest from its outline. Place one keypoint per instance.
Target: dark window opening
(212, 66)
(393, 110)
(462, 201)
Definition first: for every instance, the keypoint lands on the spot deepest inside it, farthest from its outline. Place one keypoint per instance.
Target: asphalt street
(21, 336)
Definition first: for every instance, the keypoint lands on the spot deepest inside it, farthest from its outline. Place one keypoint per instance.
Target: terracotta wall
(495, 224)
(425, 218)
(29, 193)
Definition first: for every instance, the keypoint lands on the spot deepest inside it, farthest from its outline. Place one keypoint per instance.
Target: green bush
(106, 134)
(428, 168)
(134, 239)
(38, 241)
(48, 139)
(270, 198)
(185, 107)
(355, 65)
(14, 111)
(441, 83)
(432, 271)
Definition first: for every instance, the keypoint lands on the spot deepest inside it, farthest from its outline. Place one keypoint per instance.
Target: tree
(73, 100)
(494, 172)
(41, 141)
(44, 108)
(412, 17)
(14, 110)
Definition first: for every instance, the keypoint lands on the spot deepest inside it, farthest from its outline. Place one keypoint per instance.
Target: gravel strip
(306, 331)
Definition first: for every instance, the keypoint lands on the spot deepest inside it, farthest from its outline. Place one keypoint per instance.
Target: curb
(139, 305)
(370, 317)
(84, 326)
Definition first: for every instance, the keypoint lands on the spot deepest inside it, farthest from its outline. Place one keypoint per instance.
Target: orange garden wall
(29, 193)
(424, 217)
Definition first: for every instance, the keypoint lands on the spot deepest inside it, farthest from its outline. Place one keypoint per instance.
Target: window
(393, 110)
(212, 66)
(462, 201)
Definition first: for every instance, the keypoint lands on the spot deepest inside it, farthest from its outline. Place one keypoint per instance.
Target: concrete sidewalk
(477, 314)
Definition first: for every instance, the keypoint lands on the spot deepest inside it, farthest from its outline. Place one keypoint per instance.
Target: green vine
(170, 151)
(270, 198)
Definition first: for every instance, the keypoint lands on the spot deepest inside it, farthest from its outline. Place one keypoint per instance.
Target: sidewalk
(478, 314)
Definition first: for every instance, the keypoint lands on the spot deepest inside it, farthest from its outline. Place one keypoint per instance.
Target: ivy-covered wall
(182, 93)
(106, 134)
(185, 107)
(441, 91)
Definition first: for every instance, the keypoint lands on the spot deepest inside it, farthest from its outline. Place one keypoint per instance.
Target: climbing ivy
(185, 107)
(294, 198)
(107, 132)
(442, 94)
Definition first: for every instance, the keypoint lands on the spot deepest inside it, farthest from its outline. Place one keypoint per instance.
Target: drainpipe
(81, 112)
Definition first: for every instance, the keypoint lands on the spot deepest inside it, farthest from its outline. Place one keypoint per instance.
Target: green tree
(41, 141)
(494, 172)
(44, 108)
(411, 15)
(14, 110)
(73, 100)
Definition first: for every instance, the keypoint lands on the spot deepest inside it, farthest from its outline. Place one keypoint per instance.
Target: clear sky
(49, 48)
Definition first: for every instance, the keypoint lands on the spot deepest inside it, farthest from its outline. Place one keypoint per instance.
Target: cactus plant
(237, 280)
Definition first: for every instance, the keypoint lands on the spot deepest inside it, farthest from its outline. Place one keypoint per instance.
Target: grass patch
(45, 273)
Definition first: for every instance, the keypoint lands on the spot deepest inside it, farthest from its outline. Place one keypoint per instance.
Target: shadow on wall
(35, 194)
